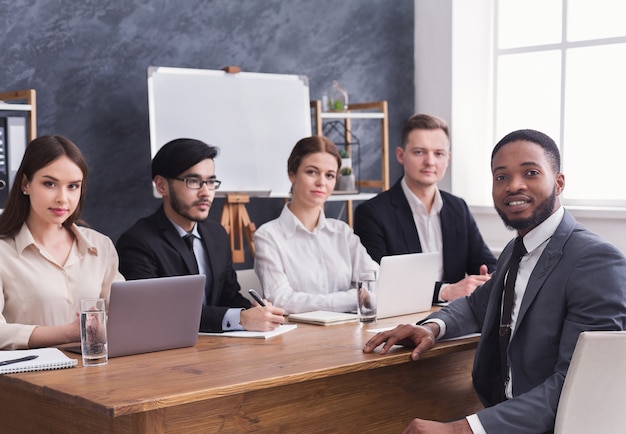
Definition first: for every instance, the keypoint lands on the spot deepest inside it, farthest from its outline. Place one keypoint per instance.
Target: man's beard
(180, 208)
(542, 212)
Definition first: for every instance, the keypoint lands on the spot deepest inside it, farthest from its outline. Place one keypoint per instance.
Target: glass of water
(366, 296)
(93, 332)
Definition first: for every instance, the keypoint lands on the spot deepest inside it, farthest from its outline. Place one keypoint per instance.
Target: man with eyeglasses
(178, 239)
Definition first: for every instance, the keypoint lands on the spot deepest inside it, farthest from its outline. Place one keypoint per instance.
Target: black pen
(256, 296)
(22, 359)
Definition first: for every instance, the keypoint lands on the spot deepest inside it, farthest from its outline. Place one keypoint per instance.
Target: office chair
(248, 280)
(592, 399)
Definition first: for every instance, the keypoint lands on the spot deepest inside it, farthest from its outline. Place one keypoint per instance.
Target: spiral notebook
(47, 358)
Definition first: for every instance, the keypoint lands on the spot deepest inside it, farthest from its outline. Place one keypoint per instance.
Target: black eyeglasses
(196, 184)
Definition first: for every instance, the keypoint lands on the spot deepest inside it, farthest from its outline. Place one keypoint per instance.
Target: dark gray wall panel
(88, 60)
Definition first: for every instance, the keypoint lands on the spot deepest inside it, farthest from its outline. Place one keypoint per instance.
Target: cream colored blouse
(36, 290)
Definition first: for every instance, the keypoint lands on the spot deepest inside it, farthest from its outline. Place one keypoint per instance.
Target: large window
(560, 67)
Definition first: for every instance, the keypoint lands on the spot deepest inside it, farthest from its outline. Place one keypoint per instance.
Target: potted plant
(346, 161)
(345, 180)
(338, 98)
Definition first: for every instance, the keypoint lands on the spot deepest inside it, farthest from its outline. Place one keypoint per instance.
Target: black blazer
(153, 248)
(386, 227)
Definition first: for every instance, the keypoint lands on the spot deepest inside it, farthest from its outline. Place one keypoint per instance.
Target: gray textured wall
(87, 60)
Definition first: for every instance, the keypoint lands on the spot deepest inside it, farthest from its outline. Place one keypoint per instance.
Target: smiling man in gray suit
(569, 280)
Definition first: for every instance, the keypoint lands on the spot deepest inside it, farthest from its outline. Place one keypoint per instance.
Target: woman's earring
(25, 194)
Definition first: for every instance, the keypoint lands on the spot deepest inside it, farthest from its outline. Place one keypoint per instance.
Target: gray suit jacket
(578, 284)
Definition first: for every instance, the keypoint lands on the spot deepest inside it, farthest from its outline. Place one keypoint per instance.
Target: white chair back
(592, 399)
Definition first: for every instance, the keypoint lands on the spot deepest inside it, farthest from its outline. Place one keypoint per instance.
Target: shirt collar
(291, 223)
(544, 231)
(24, 238)
(183, 232)
(416, 204)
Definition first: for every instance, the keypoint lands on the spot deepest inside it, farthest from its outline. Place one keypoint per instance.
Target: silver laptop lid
(406, 283)
(154, 314)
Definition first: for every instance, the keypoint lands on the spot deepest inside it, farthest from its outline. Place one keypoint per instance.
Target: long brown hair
(39, 153)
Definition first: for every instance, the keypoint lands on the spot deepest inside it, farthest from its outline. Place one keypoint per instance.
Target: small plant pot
(345, 183)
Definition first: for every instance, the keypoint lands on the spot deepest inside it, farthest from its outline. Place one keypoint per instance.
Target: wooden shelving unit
(377, 110)
(18, 120)
(23, 101)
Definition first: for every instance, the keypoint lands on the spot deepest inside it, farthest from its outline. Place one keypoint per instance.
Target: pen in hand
(257, 297)
(21, 359)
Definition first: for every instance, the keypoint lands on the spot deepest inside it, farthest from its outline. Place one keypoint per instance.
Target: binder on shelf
(4, 169)
(17, 134)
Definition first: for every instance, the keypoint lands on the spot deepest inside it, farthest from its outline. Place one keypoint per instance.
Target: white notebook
(284, 328)
(323, 317)
(47, 358)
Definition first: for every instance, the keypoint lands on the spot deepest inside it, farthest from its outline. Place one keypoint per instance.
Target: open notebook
(323, 317)
(47, 358)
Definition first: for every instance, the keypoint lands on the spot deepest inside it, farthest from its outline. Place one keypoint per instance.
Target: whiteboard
(254, 119)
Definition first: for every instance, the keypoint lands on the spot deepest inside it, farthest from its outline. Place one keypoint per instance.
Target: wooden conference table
(312, 379)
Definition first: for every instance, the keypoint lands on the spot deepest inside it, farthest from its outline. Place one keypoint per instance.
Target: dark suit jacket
(386, 227)
(153, 248)
(577, 285)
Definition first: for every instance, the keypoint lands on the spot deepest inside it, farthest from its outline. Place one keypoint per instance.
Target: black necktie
(209, 280)
(507, 305)
(189, 241)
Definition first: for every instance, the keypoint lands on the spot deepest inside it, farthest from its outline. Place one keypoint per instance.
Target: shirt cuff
(475, 425)
(231, 320)
(440, 323)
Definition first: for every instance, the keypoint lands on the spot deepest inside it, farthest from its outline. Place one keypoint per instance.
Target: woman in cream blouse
(48, 263)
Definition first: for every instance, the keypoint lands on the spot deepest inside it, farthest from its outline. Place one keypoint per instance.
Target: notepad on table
(323, 317)
(47, 358)
(284, 328)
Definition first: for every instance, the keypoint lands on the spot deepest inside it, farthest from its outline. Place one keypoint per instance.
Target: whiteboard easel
(254, 119)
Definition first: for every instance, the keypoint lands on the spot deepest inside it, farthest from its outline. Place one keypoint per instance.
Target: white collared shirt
(428, 224)
(302, 270)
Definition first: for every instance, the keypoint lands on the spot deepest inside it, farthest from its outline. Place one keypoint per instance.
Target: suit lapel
(174, 239)
(549, 259)
(404, 217)
(493, 315)
(209, 249)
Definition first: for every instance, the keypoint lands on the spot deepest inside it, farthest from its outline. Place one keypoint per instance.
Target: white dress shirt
(302, 270)
(427, 223)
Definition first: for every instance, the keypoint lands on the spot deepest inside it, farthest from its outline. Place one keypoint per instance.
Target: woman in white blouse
(48, 262)
(304, 260)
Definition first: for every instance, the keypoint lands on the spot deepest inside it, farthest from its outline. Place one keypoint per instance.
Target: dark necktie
(209, 280)
(189, 241)
(507, 305)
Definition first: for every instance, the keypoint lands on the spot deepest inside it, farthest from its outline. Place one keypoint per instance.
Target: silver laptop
(153, 314)
(406, 283)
